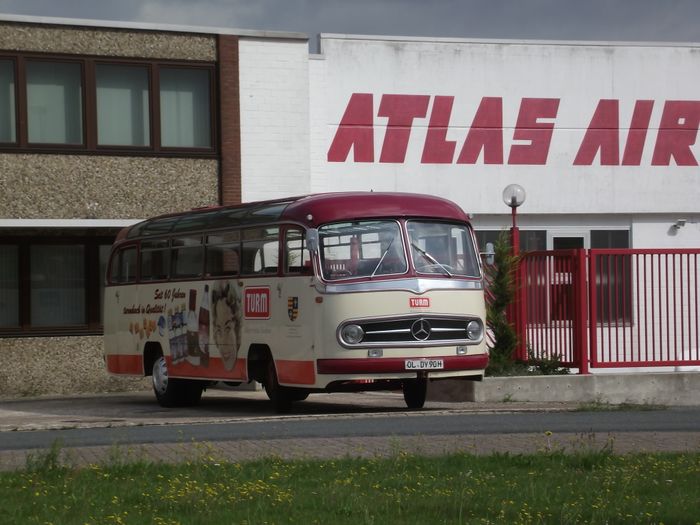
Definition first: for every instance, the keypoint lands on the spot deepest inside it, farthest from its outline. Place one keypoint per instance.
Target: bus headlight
(474, 330)
(352, 333)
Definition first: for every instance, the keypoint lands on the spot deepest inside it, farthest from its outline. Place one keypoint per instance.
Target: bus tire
(297, 394)
(174, 392)
(414, 392)
(281, 400)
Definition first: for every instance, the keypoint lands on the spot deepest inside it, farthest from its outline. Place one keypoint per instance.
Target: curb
(648, 388)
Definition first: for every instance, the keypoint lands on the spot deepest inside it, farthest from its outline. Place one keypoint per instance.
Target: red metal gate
(610, 308)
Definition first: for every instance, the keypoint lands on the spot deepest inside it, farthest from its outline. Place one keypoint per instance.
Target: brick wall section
(230, 118)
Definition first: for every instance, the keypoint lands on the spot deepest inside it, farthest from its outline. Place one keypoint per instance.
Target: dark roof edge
(146, 26)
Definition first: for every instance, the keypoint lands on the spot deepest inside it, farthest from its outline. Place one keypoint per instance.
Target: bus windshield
(361, 249)
(442, 248)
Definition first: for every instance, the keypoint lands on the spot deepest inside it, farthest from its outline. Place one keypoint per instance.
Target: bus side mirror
(312, 240)
(490, 254)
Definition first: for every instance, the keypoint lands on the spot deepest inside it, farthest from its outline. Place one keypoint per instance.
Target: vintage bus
(320, 293)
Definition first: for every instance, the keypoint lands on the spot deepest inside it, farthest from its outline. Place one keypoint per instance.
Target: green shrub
(500, 295)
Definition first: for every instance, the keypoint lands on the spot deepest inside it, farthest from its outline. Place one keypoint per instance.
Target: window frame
(89, 144)
(94, 141)
(93, 308)
(15, 73)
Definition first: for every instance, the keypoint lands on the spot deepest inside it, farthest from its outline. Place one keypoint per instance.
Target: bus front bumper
(400, 365)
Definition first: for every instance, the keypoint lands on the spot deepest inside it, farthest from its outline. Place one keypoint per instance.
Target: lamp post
(514, 196)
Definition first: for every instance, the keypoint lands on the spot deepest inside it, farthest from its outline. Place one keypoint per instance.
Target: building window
(122, 106)
(530, 240)
(613, 278)
(9, 286)
(185, 111)
(7, 102)
(107, 105)
(54, 103)
(52, 285)
(610, 239)
(57, 284)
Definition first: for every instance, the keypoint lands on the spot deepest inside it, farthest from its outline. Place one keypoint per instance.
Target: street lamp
(514, 196)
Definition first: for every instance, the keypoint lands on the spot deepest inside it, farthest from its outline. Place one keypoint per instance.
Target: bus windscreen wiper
(382, 257)
(431, 259)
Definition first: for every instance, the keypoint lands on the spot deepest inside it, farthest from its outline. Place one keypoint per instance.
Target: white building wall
(318, 126)
(661, 232)
(274, 100)
(579, 76)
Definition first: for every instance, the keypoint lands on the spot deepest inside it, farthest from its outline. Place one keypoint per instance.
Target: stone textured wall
(107, 42)
(37, 366)
(99, 187)
(68, 186)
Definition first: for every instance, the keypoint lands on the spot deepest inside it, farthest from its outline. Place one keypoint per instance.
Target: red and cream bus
(320, 293)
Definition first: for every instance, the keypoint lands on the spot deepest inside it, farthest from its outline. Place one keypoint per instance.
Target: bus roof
(333, 207)
(310, 210)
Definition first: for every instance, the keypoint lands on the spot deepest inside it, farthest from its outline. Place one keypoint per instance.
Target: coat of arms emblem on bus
(293, 308)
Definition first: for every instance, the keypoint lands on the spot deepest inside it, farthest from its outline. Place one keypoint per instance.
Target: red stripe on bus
(296, 372)
(397, 364)
(214, 370)
(125, 364)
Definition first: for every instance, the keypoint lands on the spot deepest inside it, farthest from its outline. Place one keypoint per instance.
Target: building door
(561, 293)
(558, 240)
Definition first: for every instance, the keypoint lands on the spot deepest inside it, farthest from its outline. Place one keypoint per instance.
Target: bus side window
(155, 260)
(123, 266)
(296, 254)
(187, 257)
(259, 251)
(224, 254)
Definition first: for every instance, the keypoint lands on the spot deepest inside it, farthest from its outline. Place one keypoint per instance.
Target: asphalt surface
(240, 426)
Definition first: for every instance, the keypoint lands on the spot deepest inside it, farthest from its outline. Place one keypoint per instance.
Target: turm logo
(419, 302)
(257, 303)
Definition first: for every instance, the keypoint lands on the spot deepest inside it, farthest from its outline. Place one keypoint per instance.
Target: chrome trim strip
(414, 285)
(397, 331)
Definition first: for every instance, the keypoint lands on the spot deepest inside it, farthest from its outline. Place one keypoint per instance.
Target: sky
(606, 20)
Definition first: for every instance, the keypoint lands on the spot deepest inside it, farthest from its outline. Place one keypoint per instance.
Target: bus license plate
(424, 364)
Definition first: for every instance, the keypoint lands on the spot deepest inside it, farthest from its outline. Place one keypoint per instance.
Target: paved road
(240, 426)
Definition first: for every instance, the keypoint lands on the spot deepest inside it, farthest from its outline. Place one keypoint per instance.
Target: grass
(599, 405)
(592, 486)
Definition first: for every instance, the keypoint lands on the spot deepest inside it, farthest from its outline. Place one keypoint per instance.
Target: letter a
(603, 134)
(356, 131)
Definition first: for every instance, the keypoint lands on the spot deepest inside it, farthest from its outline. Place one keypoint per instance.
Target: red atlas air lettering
(485, 136)
(606, 140)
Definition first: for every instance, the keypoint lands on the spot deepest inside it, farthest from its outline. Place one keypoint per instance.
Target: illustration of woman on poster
(226, 317)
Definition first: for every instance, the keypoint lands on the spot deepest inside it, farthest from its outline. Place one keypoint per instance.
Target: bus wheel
(297, 394)
(281, 401)
(414, 392)
(174, 392)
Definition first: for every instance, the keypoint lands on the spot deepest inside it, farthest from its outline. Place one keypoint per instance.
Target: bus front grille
(417, 330)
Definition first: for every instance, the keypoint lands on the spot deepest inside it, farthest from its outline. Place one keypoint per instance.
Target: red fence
(610, 308)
